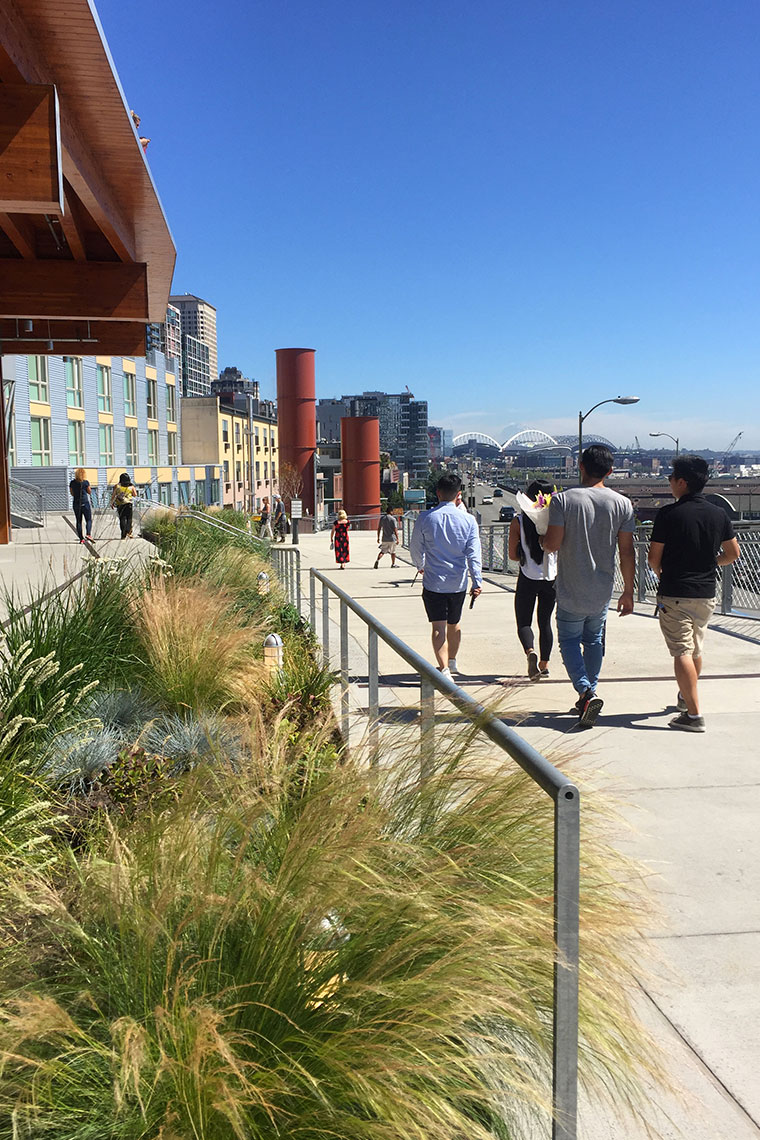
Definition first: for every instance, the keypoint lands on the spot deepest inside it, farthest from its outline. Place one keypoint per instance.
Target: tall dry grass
(359, 957)
(197, 652)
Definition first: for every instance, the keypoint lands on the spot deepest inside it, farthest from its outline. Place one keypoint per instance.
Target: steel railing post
(325, 623)
(505, 552)
(344, 669)
(490, 548)
(298, 580)
(566, 918)
(726, 589)
(641, 570)
(313, 601)
(427, 727)
(373, 698)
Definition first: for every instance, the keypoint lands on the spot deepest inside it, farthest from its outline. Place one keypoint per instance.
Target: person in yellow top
(121, 498)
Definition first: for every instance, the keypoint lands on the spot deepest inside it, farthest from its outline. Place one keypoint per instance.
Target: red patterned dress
(341, 542)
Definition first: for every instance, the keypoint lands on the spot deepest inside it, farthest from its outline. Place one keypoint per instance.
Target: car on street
(506, 513)
(487, 500)
(498, 493)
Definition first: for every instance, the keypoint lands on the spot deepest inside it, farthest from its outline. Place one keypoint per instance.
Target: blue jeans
(573, 631)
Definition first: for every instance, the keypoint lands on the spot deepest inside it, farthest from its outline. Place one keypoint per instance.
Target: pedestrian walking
(691, 538)
(535, 579)
(445, 547)
(82, 503)
(339, 539)
(278, 519)
(121, 498)
(586, 525)
(387, 536)
(265, 522)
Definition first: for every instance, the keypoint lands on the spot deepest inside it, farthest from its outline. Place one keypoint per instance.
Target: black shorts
(444, 607)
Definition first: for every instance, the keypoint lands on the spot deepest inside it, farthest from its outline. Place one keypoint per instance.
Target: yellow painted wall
(164, 474)
(129, 366)
(150, 372)
(104, 360)
(72, 413)
(104, 418)
(43, 410)
(141, 475)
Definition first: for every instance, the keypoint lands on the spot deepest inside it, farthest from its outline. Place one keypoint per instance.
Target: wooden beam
(31, 180)
(74, 338)
(83, 290)
(71, 225)
(21, 234)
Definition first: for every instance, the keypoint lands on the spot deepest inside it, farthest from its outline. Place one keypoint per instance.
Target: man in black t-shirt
(690, 539)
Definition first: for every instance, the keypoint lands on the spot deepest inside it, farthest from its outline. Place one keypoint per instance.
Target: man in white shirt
(445, 546)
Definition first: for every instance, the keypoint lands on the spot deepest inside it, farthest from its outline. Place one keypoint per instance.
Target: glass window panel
(76, 443)
(39, 389)
(153, 447)
(131, 445)
(73, 369)
(105, 403)
(130, 394)
(106, 445)
(40, 433)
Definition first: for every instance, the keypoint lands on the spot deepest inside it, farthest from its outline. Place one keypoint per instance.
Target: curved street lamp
(582, 417)
(669, 436)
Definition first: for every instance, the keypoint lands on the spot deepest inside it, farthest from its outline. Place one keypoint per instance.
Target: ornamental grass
(196, 651)
(356, 955)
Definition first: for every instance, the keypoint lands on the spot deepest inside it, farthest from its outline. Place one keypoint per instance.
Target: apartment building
(198, 327)
(239, 435)
(106, 414)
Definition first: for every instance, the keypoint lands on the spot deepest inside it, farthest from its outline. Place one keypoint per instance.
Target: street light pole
(582, 417)
(668, 436)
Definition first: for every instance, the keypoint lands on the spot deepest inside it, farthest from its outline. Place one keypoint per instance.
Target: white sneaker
(446, 673)
(453, 667)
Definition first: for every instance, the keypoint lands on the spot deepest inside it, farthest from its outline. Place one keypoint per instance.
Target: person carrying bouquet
(535, 580)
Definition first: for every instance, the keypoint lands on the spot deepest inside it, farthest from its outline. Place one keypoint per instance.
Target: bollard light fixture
(262, 582)
(273, 649)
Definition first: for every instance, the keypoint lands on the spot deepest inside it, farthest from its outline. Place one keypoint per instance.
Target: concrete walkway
(41, 558)
(693, 801)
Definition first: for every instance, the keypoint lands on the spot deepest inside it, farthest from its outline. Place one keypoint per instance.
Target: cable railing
(27, 501)
(738, 587)
(563, 793)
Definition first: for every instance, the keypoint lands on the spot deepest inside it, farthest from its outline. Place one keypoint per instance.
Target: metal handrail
(563, 792)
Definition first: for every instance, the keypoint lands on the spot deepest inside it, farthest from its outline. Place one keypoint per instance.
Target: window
(200, 492)
(76, 443)
(237, 435)
(258, 470)
(40, 430)
(131, 445)
(38, 379)
(171, 404)
(266, 471)
(256, 437)
(152, 399)
(238, 473)
(165, 494)
(105, 404)
(130, 394)
(184, 492)
(72, 366)
(105, 434)
(227, 472)
(152, 447)
(226, 434)
(171, 440)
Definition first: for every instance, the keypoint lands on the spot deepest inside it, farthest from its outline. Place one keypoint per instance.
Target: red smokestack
(360, 457)
(297, 416)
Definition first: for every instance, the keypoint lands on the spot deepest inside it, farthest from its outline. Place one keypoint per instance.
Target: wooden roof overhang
(86, 256)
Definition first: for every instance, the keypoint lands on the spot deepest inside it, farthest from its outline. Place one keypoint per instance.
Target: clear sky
(515, 207)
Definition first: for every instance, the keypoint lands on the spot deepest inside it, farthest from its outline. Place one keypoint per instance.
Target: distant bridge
(530, 439)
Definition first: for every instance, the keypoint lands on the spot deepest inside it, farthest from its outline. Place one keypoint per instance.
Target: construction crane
(731, 446)
(411, 393)
(638, 445)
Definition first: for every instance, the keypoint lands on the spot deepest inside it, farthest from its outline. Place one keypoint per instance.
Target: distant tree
(291, 483)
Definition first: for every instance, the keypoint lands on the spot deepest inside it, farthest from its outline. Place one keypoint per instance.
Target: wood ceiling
(86, 256)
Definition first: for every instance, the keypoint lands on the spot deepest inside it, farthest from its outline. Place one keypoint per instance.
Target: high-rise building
(403, 426)
(198, 320)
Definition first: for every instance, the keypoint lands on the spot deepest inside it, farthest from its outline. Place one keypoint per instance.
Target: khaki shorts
(683, 622)
(388, 547)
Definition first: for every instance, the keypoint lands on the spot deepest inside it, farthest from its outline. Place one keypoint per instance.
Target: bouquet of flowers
(536, 510)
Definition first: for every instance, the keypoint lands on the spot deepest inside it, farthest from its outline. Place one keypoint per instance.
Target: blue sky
(515, 208)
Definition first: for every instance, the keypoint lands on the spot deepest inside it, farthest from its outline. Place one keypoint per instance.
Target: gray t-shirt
(389, 529)
(592, 518)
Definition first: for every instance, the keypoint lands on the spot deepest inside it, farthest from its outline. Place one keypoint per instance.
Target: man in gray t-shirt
(586, 524)
(387, 536)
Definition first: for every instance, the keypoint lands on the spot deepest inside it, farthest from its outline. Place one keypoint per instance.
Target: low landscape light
(273, 649)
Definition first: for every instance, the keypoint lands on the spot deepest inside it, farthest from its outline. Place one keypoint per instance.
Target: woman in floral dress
(339, 538)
